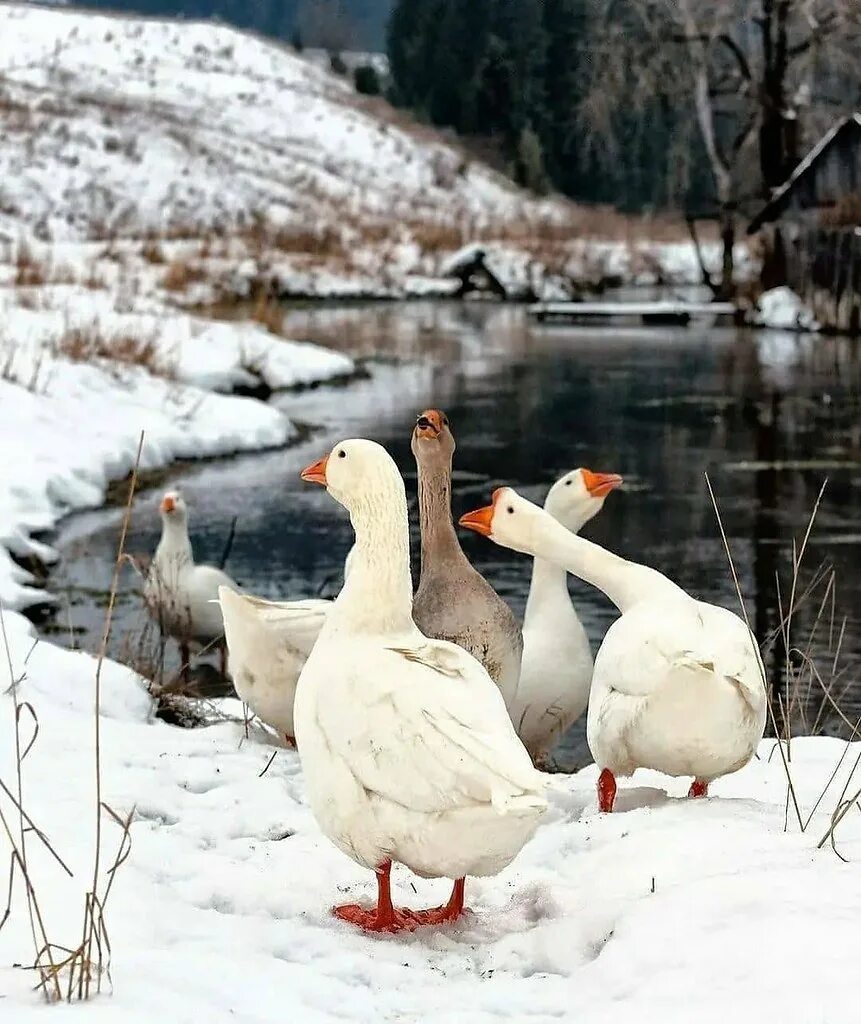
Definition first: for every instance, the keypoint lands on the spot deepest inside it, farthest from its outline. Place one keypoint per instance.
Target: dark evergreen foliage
(366, 80)
(517, 71)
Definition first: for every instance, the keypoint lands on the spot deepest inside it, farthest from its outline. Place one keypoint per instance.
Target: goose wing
(434, 733)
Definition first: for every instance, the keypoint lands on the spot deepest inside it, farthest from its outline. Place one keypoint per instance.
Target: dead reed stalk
(70, 973)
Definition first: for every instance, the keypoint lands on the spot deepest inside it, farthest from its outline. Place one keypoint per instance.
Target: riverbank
(667, 909)
(79, 383)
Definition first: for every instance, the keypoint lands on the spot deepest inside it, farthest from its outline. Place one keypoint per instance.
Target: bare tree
(749, 73)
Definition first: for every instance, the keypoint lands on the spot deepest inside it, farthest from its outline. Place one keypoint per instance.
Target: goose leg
(451, 911)
(698, 788)
(606, 791)
(290, 740)
(384, 917)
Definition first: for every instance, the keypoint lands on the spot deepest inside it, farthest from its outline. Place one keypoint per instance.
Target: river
(770, 416)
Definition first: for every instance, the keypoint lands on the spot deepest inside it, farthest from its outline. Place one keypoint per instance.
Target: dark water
(770, 416)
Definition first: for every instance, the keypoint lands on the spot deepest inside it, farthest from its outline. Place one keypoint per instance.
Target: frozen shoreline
(80, 382)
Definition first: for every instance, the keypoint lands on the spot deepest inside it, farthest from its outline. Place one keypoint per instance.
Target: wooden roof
(778, 202)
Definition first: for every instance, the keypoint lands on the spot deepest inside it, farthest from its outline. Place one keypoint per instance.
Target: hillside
(121, 126)
(118, 131)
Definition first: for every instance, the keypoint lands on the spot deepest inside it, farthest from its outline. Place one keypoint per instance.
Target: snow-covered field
(667, 910)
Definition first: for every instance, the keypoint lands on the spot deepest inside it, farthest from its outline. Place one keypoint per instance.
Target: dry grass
(812, 687)
(152, 252)
(181, 273)
(269, 313)
(30, 272)
(72, 972)
(88, 344)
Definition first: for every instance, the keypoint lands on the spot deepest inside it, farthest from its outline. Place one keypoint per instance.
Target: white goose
(180, 595)
(677, 684)
(269, 642)
(408, 751)
(556, 671)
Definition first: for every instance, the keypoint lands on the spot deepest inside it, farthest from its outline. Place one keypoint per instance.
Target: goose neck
(549, 587)
(439, 543)
(377, 595)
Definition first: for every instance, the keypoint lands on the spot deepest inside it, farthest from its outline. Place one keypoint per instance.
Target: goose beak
(599, 485)
(429, 424)
(168, 503)
(316, 472)
(481, 520)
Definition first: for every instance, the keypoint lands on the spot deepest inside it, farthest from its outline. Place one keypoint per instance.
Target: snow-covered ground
(668, 910)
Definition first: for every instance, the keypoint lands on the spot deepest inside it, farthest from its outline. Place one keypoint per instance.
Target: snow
(782, 309)
(69, 427)
(266, 171)
(668, 909)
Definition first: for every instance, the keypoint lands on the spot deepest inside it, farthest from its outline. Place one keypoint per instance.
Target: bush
(336, 63)
(529, 165)
(366, 80)
(296, 40)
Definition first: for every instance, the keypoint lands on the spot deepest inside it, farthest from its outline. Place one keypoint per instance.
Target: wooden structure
(650, 314)
(811, 229)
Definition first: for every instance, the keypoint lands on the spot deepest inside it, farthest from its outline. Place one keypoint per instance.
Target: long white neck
(174, 546)
(377, 596)
(548, 589)
(625, 583)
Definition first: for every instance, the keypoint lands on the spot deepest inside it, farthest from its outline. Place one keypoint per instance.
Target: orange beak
(600, 484)
(481, 520)
(429, 424)
(316, 472)
(168, 503)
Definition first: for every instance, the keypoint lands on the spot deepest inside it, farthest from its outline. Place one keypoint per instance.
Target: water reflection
(768, 415)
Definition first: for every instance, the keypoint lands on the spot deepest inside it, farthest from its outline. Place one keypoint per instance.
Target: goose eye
(342, 454)
(511, 510)
(567, 483)
(445, 421)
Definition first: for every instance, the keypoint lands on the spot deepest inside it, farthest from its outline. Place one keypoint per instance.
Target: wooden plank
(650, 313)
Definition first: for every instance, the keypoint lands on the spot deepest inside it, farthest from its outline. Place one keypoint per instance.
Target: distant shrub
(366, 80)
(296, 40)
(337, 64)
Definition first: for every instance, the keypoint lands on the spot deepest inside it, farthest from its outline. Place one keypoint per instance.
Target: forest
(701, 106)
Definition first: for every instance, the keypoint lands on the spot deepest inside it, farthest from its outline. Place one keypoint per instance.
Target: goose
(180, 595)
(269, 642)
(453, 601)
(407, 749)
(556, 671)
(678, 684)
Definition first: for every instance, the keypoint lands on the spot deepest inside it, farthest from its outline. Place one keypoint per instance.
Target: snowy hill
(118, 126)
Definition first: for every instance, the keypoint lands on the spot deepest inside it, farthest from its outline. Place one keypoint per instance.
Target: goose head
(173, 509)
(579, 496)
(509, 520)
(356, 473)
(432, 442)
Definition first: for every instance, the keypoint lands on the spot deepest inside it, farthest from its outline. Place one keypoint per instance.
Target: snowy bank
(79, 381)
(668, 909)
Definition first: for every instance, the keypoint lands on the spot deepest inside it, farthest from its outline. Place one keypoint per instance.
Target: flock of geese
(422, 719)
